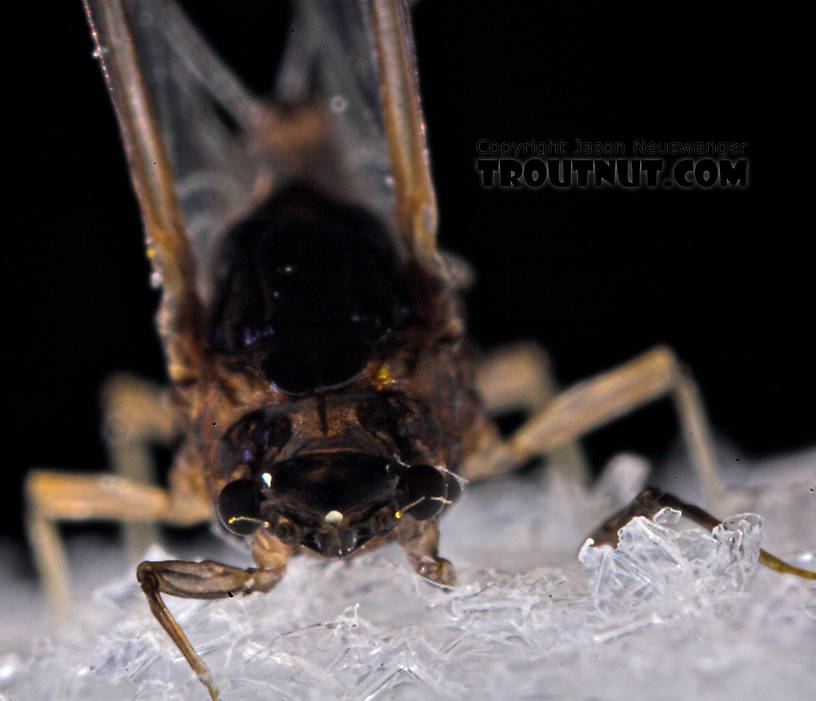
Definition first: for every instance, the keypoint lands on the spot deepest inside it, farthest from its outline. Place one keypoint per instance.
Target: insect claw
(438, 571)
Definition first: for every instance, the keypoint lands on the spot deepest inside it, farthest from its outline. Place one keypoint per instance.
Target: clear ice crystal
(654, 563)
(674, 611)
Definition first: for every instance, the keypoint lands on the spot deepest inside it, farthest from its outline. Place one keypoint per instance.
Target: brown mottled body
(342, 427)
(430, 375)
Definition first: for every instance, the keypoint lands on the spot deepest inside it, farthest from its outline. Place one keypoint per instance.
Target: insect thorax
(309, 290)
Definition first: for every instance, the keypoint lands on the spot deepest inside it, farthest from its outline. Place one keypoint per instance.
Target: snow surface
(675, 612)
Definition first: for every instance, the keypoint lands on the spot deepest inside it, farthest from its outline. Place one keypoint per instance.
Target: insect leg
(57, 496)
(520, 377)
(597, 401)
(136, 415)
(198, 580)
(652, 499)
(420, 540)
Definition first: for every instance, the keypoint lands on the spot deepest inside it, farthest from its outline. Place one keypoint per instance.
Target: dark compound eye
(426, 491)
(238, 507)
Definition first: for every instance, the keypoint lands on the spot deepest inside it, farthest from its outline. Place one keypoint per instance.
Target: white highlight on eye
(333, 518)
(267, 479)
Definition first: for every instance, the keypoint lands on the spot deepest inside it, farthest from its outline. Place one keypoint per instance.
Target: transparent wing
(226, 148)
(361, 55)
(204, 115)
(168, 245)
(204, 151)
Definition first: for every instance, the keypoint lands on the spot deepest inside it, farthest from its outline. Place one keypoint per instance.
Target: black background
(725, 277)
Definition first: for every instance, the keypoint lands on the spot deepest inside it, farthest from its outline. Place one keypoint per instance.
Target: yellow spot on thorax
(382, 375)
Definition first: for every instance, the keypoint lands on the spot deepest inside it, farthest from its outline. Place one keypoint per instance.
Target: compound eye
(424, 491)
(238, 507)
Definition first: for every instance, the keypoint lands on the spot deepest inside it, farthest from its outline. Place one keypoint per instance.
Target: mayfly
(324, 393)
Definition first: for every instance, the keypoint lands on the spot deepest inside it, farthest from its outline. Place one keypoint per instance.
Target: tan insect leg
(420, 540)
(599, 400)
(137, 415)
(198, 580)
(56, 496)
(520, 377)
(651, 500)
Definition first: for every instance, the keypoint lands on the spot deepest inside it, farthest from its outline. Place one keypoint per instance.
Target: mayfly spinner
(324, 393)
